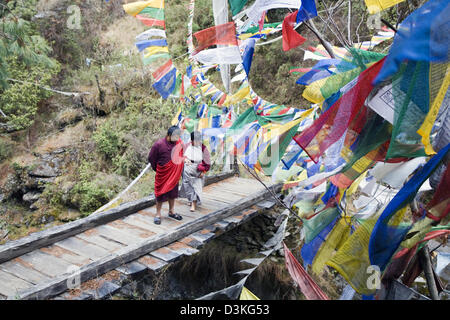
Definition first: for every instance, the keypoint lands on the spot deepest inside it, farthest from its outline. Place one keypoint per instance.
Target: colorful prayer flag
(223, 34)
(375, 6)
(387, 234)
(306, 11)
(332, 124)
(422, 36)
(291, 38)
(135, 8)
(307, 285)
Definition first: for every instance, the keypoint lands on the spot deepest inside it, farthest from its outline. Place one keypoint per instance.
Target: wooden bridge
(106, 248)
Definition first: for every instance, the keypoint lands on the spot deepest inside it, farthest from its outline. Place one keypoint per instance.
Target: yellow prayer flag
(417, 232)
(356, 183)
(312, 91)
(149, 51)
(276, 129)
(202, 123)
(375, 6)
(239, 96)
(352, 259)
(175, 119)
(135, 8)
(247, 295)
(427, 125)
(334, 241)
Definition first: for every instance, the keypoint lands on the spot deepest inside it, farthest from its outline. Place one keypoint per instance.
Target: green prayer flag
(154, 13)
(269, 161)
(247, 117)
(237, 5)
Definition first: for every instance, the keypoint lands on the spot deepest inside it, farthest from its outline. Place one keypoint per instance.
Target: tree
(24, 65)
(18, 38)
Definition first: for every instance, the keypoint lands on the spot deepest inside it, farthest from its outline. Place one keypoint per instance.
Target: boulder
(45, 170)
(11, 186)
(31, 197)
(48, 166)
(40, 183)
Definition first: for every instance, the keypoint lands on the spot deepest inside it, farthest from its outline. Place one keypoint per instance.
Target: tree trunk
(425, 262)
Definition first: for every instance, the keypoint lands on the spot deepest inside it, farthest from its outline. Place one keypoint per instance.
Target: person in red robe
(166, 158)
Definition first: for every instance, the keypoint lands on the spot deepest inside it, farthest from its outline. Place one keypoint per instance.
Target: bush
(94, 188)
(107, 140)
(20, 100)
(125, 139)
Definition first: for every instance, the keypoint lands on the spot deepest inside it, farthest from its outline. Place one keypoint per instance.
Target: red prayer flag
(440, 203)
(194, 81)
(304, 70)
(261, 21)
(332, 124)
(291, 38)
(307, 285)
(222, 100)
(164, 69)
(152, 22)
(223, 34)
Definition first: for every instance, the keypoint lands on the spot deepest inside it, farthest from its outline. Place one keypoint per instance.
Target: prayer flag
(307, 285)
(291, 39)
(166, 85)
(248, 56)
(223, 34)
(332, 124)
(375, 6)
(306, 11)
(423, 36)
(236, 6)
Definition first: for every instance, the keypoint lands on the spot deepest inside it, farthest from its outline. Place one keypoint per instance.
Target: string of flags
(357, 161)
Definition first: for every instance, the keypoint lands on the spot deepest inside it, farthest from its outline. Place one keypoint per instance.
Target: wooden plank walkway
(44, 264)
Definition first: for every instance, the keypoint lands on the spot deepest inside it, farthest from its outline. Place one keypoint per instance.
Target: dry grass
(69, 137)
(121, 34)
(46, 5)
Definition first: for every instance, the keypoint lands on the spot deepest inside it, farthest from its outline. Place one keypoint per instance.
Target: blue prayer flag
(141, 45)
(248, 56)
(306, 11)
(386, 238)
(423, 36)
(166, 84)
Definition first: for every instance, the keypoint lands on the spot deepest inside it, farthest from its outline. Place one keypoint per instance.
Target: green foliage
(276, 84)
(19, 39)
(124, 140)
(203, 15)
(107, 140)
(94, 188)
(23, 57)
(20, 100)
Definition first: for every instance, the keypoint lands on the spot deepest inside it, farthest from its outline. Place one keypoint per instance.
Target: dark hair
(196, 135)
(171, 130)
